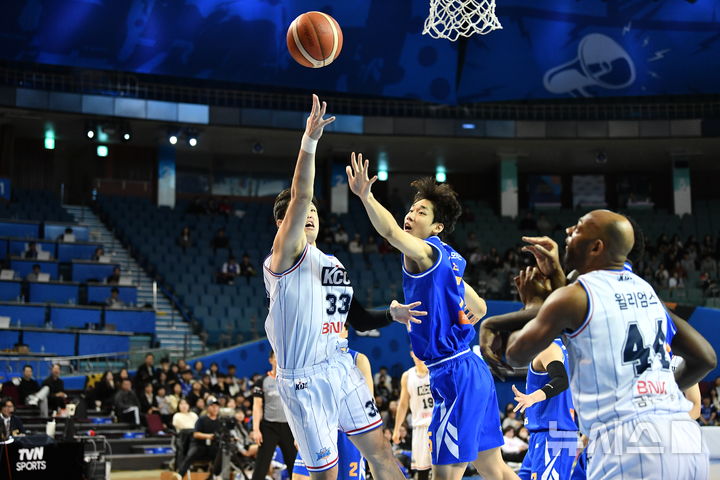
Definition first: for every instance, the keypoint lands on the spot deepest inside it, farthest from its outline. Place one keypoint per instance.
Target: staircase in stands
(173, 333)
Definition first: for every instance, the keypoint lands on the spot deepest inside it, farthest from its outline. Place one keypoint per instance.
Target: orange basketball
(314, 39)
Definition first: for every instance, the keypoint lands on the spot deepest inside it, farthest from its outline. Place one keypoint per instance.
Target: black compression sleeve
(558, 379)
(363, 320)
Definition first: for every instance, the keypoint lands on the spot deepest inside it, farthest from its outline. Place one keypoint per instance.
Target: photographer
(204, 444)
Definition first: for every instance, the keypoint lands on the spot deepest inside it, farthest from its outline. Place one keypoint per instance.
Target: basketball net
(452, 19)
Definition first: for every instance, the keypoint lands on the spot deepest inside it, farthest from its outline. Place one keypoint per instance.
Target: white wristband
(308, 144)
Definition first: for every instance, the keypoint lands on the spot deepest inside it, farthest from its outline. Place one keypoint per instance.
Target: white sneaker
(31, 400)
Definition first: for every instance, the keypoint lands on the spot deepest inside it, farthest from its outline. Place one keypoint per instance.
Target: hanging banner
(166, 177)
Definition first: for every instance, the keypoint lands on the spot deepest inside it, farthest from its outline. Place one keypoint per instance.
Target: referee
(270, 427)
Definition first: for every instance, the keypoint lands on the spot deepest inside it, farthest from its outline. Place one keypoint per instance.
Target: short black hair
(27, 366)
(637, 253)
(281, 204)
(114, 290)
(5, 400)
(36, 265)
(446, 206)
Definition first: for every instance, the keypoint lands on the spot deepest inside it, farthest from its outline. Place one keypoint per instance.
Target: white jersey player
(310, 298)
(618, 336)
(415, 393)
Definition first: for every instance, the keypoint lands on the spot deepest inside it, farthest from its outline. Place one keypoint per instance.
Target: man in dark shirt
(57, 395)
(204, 444)
(127, 404)
(114, 279)
(27, 385)
(145, 373)
(165, 367)
(10, 425)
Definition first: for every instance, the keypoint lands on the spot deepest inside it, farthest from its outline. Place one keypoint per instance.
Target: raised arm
(290, 238)
(412, 247)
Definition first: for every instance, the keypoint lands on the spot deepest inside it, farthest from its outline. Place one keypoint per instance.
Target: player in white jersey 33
(310, 299)
(627, 399)
(415, 394)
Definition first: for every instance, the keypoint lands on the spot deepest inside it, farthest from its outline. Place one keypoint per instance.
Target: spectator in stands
(204, 444)
(34, 275)
(28, 385)
(224, 207)
(543, 225)
(127, 404)
(206, 384)
(198, 370)
(184, 418)
(195, 394)
(247, 270)
(199, 407)
(32, 251)
(114, 300)
(220, 241)
(174, 397)
(229, 271)
(234, 385)
(511, 419)
(56, 386)
(383, 378)
(68, 236)
(514, 449)
(145, 373)
(148, 403)
(98, 254)
(114, 278)
(122, 375)
(165, 366)
(528, 223)
(185, 240)
(213, 372)
(186, 381)
(355, 245)
(371, 246)
(472, 242)
(341, 237)
(221, 387)
(675, 281)
(708, 413)
(11, 425)
(104, 391)
(709, 265)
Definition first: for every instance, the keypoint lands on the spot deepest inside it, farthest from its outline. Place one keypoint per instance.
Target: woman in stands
(105, 390)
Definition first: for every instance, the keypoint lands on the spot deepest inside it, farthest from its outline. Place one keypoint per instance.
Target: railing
(146, 87)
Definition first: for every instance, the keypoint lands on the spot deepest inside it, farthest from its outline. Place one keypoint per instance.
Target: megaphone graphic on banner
(601, 62)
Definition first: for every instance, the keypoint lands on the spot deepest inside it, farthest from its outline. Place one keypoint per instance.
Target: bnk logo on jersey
(335, 276)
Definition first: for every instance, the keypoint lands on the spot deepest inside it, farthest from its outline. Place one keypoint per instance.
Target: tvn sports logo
(334, 276)
(31, 459)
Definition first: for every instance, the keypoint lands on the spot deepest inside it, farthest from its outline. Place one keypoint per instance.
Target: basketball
(314, 39)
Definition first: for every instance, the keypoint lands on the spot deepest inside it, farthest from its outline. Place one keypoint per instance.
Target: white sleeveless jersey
(619, 357)
(421, 400)
(308, 306)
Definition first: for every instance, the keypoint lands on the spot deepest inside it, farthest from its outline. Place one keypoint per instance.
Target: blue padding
(706, 321)
(54, 292)
(100, 293)
(76, 382)
(14, 368)
(17, 248)
(82, 272)
(76, 251)
(70, 317)
(53, 342)
(8, 228)
(23, 267)
(10, 290)
(3, 248)
(54, 230)
(27, 315)
(8, 339)
(90, 344)
(125, 320)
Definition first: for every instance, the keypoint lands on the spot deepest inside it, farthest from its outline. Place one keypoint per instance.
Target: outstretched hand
(315, 122)
(533, 287)
(358, 179)
(405, 314)
(526, 401)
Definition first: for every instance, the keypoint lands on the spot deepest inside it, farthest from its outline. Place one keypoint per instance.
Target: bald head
(615, 231)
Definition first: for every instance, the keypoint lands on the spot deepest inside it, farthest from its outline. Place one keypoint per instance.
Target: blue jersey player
(465, 425)
(549, 416)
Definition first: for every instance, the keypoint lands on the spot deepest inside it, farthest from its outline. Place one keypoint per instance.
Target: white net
(452, 19)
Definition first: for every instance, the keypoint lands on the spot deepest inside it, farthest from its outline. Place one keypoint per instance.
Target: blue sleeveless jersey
(445, 330)
(556, 409)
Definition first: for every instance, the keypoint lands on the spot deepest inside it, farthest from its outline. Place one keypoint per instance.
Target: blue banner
(559, 49)
(166, 176)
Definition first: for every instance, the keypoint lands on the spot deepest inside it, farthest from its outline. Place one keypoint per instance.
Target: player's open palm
(358, 178)
(524, 401)
(533, 287)
(315, 122)
(406, 314)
